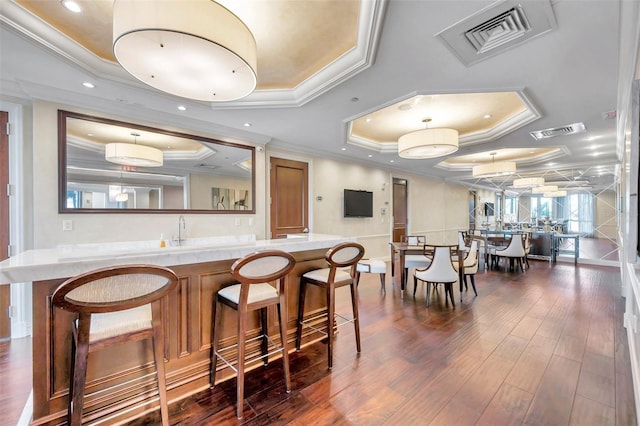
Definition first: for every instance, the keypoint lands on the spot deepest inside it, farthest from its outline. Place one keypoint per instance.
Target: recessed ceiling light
(247, 124)
(487, 116)
(354, 99)
(404, 107)
(368, 119)
(343, 149)
(88, 85)
(369, 155)
(71, 6)
(182, 107)
(392, 161)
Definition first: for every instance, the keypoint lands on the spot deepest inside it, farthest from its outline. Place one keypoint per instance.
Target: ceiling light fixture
(196, 49)
(555, 194)
(493, 169)
(428, 143)
(529, 182)
(132, 154)
(71, 6)
(544, 189)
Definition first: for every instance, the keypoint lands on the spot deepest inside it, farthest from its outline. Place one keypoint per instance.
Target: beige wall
(606, 216)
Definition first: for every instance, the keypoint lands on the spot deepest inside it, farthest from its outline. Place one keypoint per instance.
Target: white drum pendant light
(195, 49)
(132, 154)
(428, 143)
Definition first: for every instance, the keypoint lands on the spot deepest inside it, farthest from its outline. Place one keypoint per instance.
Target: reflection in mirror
(589, 210)
(107, 165)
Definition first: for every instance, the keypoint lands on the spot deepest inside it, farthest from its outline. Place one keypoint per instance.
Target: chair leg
(158, 358)
(242, 331)
(450, 287)
(283, 344)
(382, 283)
(330, 291)
(428, 293)
(415, 285)
(357, 278)
(303, 288)
(473, 283)
(216, 314)
(79, 373)
(356, 317)
(265, 336)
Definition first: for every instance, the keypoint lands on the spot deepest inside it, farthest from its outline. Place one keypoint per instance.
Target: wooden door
(5, 293)
(289, 185)
(399, 209)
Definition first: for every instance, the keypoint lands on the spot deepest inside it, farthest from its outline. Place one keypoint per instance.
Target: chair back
(441, 269)
(114, 289)
(516, 247)
(262, 267)
(344, 255)
(462, 240)
(471, 261)
(416, 240)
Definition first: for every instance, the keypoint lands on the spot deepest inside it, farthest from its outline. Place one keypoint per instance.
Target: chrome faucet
(182, 228)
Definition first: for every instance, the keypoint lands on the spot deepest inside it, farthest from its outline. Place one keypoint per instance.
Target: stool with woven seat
(344, 255)
(255, 273)
(114, 306)
(372, 266)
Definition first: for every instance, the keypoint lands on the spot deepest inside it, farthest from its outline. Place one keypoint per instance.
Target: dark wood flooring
(543, 347)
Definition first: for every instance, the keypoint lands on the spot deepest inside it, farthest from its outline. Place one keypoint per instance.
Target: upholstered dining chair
(439, 271)
(114, 306)
(415, 260)
(372, 266)
(342, 260)
(255, 272)
(463, 239)
(515, 251)
(470, 267)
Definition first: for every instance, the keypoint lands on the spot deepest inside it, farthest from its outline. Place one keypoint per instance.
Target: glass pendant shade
(195, 49)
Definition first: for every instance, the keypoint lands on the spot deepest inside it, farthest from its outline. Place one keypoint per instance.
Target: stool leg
(473, 283)
(303, 288)
(358, 278)
(265, 334)
(80, 369)
(283, 343)
(217, 314)
(242, 331)
(158, 357)
(331, 291)
(356, 317)
(382, 284)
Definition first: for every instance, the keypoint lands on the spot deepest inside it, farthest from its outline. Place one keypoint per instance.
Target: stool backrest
(114, 289)
(263, 266)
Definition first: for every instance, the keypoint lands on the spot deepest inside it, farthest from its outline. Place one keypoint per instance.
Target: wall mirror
(113, 166)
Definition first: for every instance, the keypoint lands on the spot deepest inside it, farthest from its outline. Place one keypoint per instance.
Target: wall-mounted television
(358, 203)
(488, 209)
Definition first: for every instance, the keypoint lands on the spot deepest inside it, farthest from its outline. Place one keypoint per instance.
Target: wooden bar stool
(114, 306)
(345, 255)
(255, 272)
(372, 266)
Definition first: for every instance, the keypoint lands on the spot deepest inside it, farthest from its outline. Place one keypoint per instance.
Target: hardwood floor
(545, 346)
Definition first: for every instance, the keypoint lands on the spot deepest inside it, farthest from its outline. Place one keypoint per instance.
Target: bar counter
(121, 380)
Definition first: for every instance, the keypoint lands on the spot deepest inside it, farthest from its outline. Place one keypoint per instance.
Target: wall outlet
(67, 225)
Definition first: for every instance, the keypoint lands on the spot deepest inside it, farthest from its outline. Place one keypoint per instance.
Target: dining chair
(463, 241)
(341, 272)
(470, 267)
(514, 251)
(255, 272)
(415, 260)
(113, 306)
(439, 271)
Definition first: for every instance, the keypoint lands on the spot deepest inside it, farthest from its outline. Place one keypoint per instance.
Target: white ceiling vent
(499, 27)
(559, 131)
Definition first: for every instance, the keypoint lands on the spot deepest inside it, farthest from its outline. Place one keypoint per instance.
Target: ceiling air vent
(501, 26)
(558, 131)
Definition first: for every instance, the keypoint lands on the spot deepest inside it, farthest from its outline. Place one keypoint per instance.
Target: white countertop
(72, 260)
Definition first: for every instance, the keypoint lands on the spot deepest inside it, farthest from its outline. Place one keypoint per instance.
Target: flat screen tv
(358, 203)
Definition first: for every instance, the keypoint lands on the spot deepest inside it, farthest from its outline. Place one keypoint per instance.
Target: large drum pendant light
(195, 49)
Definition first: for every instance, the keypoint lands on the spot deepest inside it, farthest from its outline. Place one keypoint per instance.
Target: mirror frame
(62, 166)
